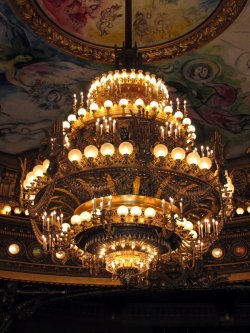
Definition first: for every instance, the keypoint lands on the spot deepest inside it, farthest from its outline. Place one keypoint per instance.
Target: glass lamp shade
(193, 158)
(217, 252)
(26, 212)
(82, 112)
(65, 227)
(107, 149)
(124, 74)
(126, 148)
(90, 151)
(248, 209)
(108, 104)
(150, 212)
(26, 184)
(230, 187)
(188, 226)
(66, 125)
(75, 219)
(30, 177)
(122, 211)
(93, 107)
(160, 150)
(191, 128)
(178, 153)
(186, 121)
(75, 155)
(14, 249)
(132, 74)
(180, 223)
(7, 208)
(178, 115)
(205, 163)
(123, 102)
(240, 211)
(135, 211)
(38, 170)
(17, 210)
(60, 255)
(71, 118)
(154, 105)
(46, 164)
(85, 216)
(168, 109)
(139, 103)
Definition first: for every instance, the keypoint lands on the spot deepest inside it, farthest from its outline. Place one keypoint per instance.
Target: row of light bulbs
(123, 103)
(126, 148)
(241, 211)
(7, 210)
(37, 172)
(117, 78)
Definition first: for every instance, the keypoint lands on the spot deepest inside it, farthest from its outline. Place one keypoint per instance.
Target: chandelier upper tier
(123, 184)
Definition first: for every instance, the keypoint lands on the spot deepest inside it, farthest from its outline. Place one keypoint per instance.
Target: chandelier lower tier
(123, 184)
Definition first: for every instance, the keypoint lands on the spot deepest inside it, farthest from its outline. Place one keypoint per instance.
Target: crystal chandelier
(123, 185)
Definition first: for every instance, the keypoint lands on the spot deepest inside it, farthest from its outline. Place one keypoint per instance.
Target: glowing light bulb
(82, 112)
(205, 163)
(90, 151)
(168, 109)
(71, 118)
(178, 153)
(122, 210)
(123, 102)
(136, 211)
(93, 107)
(160, 150)
(154, 105)
(38, 170)
(139, 103)
(126, 148)
(75, 219)
(150, 212)
(107, 149)
(108, 104)
(240, 211)
(46, 164)
(75, 155)
(66, 125)
(85, 216)
(193, 158)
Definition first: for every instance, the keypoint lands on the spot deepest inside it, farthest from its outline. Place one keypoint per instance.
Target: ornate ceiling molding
(224, 14)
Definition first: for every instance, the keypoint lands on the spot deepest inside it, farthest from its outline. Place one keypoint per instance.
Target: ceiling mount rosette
(90, 29)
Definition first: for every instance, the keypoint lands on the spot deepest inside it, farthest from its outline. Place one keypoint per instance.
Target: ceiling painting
(98, 20)
(162, 29)
(37, 84)
(161, 21)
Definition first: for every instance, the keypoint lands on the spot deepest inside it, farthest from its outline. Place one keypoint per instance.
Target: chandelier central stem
(128, 24)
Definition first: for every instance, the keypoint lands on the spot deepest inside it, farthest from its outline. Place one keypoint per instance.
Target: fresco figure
(72, 15)
(107, 18)
(141, 25)
(7, 67)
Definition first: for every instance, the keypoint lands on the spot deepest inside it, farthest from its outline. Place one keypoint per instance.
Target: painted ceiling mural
(154, 21)
(37, 81)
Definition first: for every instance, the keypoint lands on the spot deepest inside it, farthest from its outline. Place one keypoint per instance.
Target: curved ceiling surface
(160, 28)
(38, 81)
(102, 22)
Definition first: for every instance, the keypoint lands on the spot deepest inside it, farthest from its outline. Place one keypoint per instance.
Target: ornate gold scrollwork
(221, 18)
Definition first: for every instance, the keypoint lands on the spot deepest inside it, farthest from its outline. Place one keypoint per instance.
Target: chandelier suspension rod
(128, 24)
